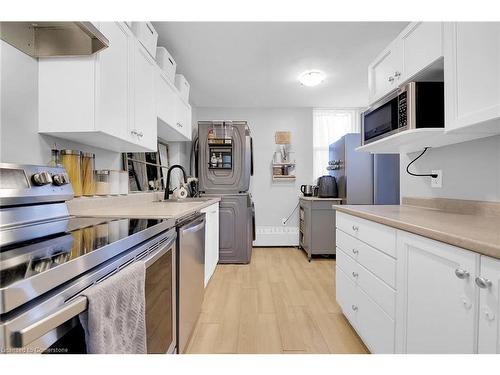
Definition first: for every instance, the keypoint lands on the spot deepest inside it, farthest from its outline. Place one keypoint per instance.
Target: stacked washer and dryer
(224, 165)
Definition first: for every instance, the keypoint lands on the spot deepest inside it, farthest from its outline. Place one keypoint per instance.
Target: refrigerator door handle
(253, 221)
(251, 156)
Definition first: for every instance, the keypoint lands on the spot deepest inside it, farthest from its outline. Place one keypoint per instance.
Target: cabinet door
(144, 125)
(436, 297)
(211, 240)
(421, 44)
(384, 73)
(472, 76)
(183, 118)
(112, 81)
(489, 306)
(165, 100)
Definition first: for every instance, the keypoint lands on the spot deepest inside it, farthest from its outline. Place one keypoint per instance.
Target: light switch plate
(438, 181)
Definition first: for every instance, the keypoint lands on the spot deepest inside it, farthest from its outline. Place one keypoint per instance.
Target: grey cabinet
(317, 226)
(235, 228)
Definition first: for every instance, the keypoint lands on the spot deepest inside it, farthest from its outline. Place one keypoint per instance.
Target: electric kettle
(307, 190)
(327, 187)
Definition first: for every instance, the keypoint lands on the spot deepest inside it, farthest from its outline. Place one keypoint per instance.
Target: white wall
(273, 200)
(20, 141)
(471, 170)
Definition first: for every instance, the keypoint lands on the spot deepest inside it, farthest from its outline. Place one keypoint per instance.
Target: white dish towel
(114, 322)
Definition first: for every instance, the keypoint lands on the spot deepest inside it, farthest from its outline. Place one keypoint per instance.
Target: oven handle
(72, 309)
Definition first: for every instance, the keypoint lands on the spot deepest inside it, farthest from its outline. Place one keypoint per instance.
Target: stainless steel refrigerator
(224, 165)
(363, 178)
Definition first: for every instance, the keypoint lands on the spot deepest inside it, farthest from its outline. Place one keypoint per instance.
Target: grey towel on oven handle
(114, 322)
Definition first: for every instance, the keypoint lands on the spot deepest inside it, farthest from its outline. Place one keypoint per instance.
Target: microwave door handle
(49, 322)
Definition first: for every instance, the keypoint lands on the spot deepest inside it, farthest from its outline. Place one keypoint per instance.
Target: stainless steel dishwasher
(190, 273)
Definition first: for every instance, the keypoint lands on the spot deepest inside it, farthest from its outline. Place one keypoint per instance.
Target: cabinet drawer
(375, 327)
(347, 264)
(346, 292)
(382, 265)
(380, 292)
(377, 235)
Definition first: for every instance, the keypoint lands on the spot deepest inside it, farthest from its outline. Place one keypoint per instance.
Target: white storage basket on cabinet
(147, 35)
(166, 62)
(183, 86)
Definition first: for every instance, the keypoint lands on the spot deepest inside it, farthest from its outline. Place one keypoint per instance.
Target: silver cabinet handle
(391, 79)
(133, 132)
(461, 274)
(397, 74)
(355, 274)
(354, 308)
(355, 228)
(354, 251)
(179, 125)
(140, 135)
(483, 282)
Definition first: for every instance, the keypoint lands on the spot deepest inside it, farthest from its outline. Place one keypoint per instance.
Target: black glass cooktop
(82, 235)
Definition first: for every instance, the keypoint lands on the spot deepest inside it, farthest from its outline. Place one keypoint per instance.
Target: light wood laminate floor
(279, 303)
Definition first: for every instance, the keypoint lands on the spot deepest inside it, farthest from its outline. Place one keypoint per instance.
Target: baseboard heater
(276, 236)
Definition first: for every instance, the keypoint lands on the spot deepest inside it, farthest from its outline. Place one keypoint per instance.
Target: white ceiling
(256, 64)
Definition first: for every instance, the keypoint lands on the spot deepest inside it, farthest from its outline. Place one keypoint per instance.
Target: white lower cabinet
(436, 297)
(488, 282)
(431, 297)
(211, 240)
(373, 325)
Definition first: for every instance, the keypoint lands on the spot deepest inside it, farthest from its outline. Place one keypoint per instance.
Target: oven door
(381, 120)
(53, 325)
(161, 321)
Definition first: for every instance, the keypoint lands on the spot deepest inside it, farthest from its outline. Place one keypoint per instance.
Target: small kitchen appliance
(307, 190)
(327, 187)
(415, 105)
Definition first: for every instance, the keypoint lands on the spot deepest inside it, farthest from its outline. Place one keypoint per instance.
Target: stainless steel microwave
(413, 106)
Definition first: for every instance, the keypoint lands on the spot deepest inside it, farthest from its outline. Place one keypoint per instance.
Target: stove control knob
(41, 178)
(60, 179)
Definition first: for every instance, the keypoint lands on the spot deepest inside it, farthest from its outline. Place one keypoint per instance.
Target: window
(328, 126)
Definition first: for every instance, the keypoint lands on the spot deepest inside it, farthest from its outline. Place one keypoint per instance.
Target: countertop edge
(202, 205)
(479, 247)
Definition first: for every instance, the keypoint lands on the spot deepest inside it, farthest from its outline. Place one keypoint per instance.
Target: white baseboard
(276, 236)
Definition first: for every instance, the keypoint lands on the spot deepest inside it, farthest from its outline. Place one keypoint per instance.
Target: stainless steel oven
(50, 324)
(413, 106)
(48, 258)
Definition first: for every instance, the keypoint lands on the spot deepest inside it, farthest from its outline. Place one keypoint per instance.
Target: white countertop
(137, 205)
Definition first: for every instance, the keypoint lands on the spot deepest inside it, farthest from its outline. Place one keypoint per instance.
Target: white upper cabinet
(421, 44)
(174, 115)
(415, 49)
(143, 127)
(436, 297)
(472, 76)
(112, 81)
(183, 117)
(488, 283)
(384, 74)
(92, 99)
(165, 99)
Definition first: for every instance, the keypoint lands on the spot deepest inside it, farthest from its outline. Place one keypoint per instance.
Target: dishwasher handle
(195, 225)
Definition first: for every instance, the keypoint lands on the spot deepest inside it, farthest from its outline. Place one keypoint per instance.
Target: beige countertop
(319, 199)
(141, 206)
(479, 233)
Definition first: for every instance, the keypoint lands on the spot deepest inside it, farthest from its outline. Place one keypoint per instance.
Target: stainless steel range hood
(54, 39)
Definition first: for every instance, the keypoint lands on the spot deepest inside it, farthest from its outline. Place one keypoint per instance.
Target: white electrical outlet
(283, 221)
(438, 181)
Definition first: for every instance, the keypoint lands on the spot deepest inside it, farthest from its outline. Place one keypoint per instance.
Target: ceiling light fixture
(312, 78)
